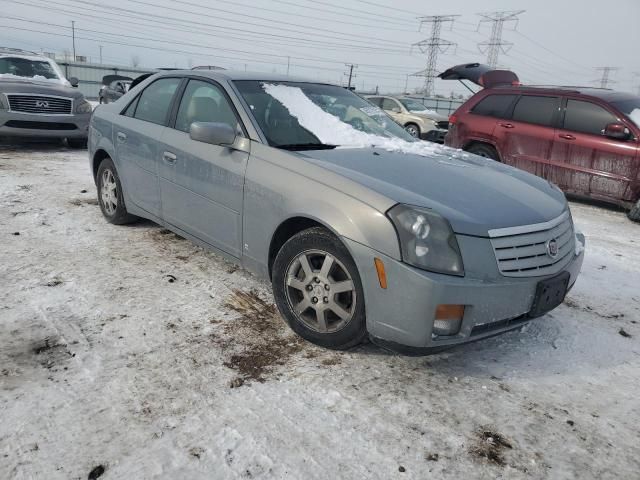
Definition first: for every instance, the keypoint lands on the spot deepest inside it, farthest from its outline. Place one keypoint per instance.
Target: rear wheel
(634, 213)
(110, 194)
(412, 129)
(483, 150)
(318, 290)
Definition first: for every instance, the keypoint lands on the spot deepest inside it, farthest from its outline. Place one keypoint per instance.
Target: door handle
(122, 137)
(169, 157)
(506, 125)
(566, 136)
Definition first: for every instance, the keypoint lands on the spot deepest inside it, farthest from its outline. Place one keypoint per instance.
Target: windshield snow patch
(36, 78)
(331, 130)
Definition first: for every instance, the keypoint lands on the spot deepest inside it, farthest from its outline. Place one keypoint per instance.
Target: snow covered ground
(131, 351)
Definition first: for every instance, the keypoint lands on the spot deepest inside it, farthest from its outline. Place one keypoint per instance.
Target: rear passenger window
(494, 106)
(536, 110)
(155, 101)
(586, 117)
(377, 101)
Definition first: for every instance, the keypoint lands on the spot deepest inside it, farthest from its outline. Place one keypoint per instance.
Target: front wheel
(110, 195)
(318, 291)
(412, 129)
(634, 213)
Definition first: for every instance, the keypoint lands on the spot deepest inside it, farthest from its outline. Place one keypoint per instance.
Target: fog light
(448, 319)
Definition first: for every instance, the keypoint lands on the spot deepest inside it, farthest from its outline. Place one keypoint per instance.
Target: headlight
(426, 240)
(4, 103)
(84, 107)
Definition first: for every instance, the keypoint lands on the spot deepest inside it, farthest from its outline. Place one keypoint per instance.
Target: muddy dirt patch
(490, 445)
(257, 341)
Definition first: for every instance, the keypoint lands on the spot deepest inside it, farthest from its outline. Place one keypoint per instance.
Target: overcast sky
(554, 41)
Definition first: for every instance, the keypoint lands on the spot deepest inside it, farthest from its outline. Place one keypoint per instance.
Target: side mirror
(617, 131)
(74, 82)
(213, 133)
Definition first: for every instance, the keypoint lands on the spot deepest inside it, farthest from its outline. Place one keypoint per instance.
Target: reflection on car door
(584, 161)
(526, 139)
(201, 185)
(136, 138)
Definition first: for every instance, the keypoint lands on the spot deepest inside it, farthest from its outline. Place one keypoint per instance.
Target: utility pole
(495, 44)
(605, 80)
(432, 46)
(100, 53)
(73, 36)
(351, 75)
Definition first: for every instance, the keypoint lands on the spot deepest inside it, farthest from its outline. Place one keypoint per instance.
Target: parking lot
(130, 349)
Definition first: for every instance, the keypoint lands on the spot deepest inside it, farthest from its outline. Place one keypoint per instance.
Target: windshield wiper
(306, 146)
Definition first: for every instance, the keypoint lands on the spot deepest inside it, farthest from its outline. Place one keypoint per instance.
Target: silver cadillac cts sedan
(364, 231)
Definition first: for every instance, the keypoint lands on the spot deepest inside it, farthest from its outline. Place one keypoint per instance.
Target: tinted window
(389, 104)
(376, 101)
(494, 105)
(154, 102)
(130, 110)
(586, 117)
(204, 102)
(536, 110)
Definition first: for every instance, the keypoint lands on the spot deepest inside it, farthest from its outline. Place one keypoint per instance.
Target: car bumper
(401, 316)
(44, 126)
(436, 136)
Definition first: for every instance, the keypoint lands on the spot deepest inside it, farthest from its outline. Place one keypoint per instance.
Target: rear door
(201, 184)
(137, 139)
(586, 162)
(525, 140)
(479, 123)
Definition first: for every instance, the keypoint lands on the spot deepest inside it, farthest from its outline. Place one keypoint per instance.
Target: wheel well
(285, 231)
(97, 159)
(478, 142)
(412, 123)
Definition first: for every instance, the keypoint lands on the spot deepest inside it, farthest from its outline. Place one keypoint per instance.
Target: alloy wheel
(320, 291)
(411, 130)
(109, 192)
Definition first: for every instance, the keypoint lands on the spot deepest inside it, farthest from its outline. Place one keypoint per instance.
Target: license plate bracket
(549, 294)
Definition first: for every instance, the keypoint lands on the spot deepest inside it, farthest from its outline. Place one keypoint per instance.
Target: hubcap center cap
(318, 290)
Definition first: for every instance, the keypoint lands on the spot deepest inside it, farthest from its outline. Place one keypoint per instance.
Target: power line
(432, 46)
(495, 44)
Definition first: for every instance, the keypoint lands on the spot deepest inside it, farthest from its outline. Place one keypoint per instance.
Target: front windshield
(631, 108)
(307, 114)
(413, 105)
(25, 67)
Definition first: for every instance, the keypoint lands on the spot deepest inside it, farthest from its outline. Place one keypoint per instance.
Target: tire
(483, 150)
(412, 129)
(294, 288)
(78, 143)
(110, 199)
(634, 213)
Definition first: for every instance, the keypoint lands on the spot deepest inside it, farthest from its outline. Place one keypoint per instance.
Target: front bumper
(436, 136)
(14, 124)
(401, 317)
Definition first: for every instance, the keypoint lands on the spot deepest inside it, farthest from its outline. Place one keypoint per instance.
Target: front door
(136, 136)
(525, 140)
(202, 185)
(586, 162)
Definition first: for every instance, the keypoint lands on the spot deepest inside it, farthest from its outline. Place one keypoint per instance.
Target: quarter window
(155, 101)
(204, 102)
(586, 117)
(494, 106)
(536, 109)
(131, 109)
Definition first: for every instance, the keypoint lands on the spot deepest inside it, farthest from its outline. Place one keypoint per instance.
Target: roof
(605, 94)
(241, 75)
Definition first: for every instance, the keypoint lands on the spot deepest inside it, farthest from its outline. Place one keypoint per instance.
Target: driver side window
(204, 102)
(390, 105)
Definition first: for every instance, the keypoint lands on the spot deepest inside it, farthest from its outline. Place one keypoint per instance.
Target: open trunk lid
(480, 74)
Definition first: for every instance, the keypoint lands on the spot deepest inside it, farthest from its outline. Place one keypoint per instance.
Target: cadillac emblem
(552, 248)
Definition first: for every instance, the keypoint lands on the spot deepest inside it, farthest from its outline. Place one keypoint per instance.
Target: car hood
(475, 194)
(39, 88)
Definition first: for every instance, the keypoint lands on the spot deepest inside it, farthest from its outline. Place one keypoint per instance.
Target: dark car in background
(585, 140)
(113, 87)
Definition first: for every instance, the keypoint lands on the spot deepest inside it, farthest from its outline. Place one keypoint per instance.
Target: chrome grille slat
(40, 104)
(522, 251)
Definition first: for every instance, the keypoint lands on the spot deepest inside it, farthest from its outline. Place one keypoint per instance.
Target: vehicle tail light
(453, 120)
(448, 320)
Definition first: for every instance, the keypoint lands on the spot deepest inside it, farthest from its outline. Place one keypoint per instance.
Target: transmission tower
(495, 44)
(432, 46)
(604, 79)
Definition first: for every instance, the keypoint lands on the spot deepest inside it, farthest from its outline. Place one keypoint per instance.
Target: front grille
(40, 125)
(40, 104)
(443, 124)
(525, 251)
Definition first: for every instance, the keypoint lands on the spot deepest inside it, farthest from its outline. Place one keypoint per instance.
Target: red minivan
(585, 140)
